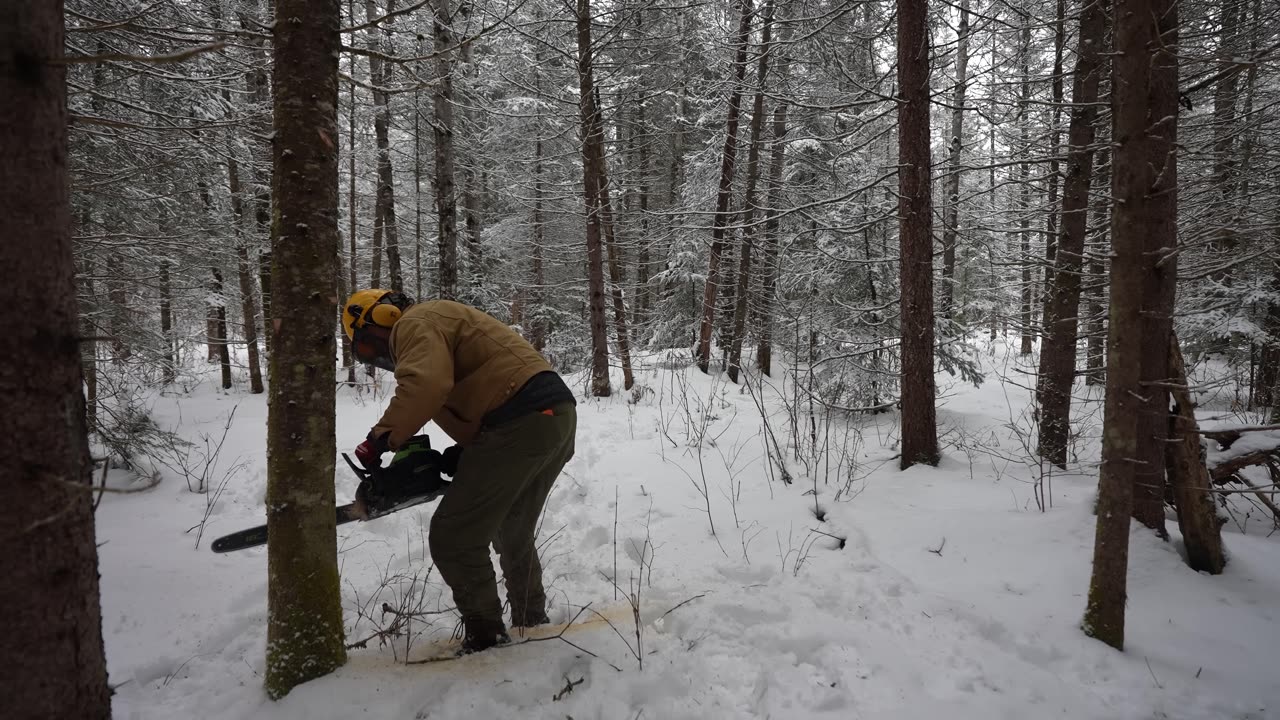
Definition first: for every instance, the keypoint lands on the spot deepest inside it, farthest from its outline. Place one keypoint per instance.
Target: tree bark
(724, 196)
(51, 649)
(591, 191)
(951, 218)
(1189, 477)
(304, 609)
(1062, 301)
(915, 237)
(1144, 176)
(442, 132)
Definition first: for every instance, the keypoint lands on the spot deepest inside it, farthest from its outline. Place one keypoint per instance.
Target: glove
(369, 452)
(449, 460)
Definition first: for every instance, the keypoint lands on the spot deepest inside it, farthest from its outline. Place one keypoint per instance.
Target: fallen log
(1189, 476)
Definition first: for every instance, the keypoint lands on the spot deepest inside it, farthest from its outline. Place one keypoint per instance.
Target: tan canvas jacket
(454, 364)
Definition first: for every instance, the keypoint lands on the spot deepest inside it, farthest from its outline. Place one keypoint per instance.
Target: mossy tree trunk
(51, 648)
(304, 635)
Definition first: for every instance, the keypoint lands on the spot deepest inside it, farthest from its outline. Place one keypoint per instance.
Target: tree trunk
(915, 233)
(1095, 352)
(417, 180)
(743, 293)
(248, 303)
(472, 191)
(537, 330)
(1062, 301)
(353, 283)
(344, 292)
(170, 371)
(261, 127)
(590, 173)
(220, 341)
(375, 246)
(442, 132)
(380, 73)
(724, 196)
(640, 312)
(608, 226)
(51, 649)
(951, 218)
(777, 161)
(1027, 332)
(1051, 217)
(118, 312)
(1144, 176)
(304, 608)
(1189, 477)
(621, 332)
(537, 301)
(1224, 135)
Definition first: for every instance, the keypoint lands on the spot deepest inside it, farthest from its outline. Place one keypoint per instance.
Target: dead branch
(1227, 436)
(1228, 470)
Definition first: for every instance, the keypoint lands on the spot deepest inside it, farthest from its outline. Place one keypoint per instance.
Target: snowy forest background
(172, 179)
(739, 177)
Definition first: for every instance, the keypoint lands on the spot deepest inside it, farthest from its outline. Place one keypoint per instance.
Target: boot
(480, 634)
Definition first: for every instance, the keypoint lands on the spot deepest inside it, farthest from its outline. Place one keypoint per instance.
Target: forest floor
(857, 591)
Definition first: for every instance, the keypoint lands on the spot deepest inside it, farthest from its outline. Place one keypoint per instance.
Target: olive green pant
(497, 495)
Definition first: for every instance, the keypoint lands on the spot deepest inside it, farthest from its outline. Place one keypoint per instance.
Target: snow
(952, 596)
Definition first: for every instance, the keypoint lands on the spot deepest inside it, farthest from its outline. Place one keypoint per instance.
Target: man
(499, 400)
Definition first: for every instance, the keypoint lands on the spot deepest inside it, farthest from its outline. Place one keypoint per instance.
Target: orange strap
(548, 411)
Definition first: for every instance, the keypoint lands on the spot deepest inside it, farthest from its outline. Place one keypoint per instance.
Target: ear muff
(384, 314)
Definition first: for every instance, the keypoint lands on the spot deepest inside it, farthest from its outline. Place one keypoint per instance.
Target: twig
(841, 540)
(938, 552)
(680, 605)
(1153, 673)
(569, 685)
(106, 464)
(615, 539)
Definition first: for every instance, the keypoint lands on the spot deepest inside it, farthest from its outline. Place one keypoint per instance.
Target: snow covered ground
(931, 593)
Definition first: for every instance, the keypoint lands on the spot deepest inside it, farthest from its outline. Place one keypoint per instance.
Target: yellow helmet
(368, 306)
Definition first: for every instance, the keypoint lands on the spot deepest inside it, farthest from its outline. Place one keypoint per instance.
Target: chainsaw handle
(362, 473)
